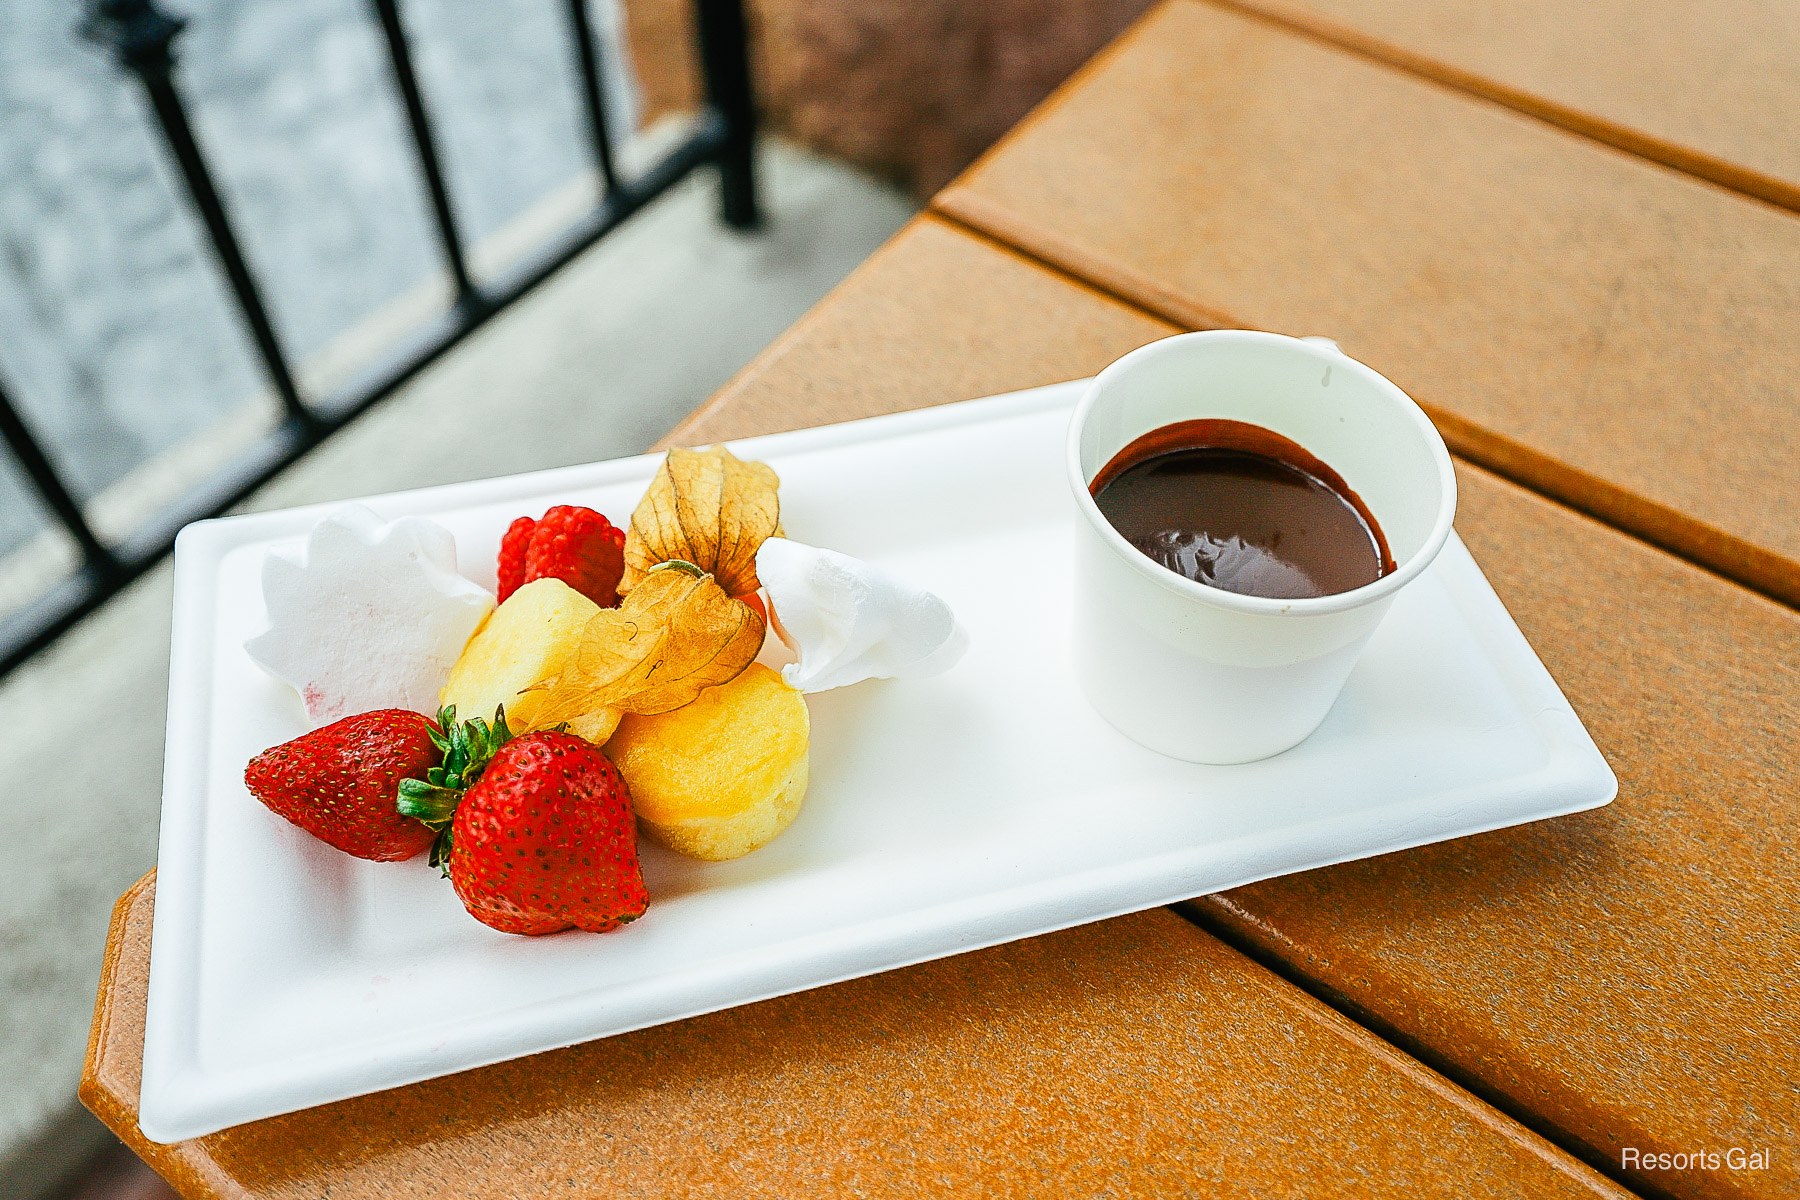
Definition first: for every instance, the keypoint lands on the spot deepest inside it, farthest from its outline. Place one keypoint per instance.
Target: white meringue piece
(849, 620)
(368, 614)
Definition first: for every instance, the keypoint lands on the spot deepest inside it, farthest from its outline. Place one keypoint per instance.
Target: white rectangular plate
(945, 814)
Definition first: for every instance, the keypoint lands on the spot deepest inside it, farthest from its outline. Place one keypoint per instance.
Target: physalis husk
(709, 508)
(674, 636)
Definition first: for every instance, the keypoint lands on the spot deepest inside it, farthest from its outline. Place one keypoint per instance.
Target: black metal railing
(142, 39)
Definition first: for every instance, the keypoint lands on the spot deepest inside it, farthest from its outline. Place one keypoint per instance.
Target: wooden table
(1608, 344)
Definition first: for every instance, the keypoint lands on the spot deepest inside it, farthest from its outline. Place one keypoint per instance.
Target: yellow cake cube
(723, 775)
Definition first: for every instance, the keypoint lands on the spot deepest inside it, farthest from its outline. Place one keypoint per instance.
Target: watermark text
(1735, 1159)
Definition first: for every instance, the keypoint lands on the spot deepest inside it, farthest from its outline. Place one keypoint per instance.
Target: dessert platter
(468, 773)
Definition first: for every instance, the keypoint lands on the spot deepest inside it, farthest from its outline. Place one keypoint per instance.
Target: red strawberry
(339, 783)
(573, 544)
(513, 548)
(542, 840)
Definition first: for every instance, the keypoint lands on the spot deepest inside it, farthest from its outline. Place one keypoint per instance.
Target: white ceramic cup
(1211, 676)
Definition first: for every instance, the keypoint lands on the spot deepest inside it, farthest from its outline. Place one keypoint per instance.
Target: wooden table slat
(1709, 89)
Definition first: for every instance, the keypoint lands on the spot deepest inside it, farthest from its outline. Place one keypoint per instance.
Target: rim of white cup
(1403, 573)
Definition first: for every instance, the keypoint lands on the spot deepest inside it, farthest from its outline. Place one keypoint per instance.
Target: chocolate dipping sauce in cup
(1209, 675)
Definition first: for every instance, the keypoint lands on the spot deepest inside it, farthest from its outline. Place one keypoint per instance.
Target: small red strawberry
(538, 833)
(339, 782)
(576, 545)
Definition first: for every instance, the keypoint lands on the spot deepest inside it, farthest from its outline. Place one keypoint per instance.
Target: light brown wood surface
(1137, 1057)
(1710, 88)
(1606, 330)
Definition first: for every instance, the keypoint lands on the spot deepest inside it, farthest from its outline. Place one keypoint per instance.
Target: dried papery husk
(709, 508)
(675, 635)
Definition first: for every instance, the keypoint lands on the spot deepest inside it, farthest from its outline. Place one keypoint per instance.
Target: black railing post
(581, 32)
(425, 143)
(725, 61)
(140, 36)
(50, 486)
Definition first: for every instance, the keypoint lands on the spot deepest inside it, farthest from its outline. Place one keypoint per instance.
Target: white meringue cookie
(369, 614)
(849, 620)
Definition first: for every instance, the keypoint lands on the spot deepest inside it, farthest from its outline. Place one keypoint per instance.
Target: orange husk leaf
(709, 508)
(673, 636)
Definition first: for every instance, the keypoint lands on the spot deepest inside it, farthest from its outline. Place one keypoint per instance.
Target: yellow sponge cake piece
(723, 775)
(527, 639)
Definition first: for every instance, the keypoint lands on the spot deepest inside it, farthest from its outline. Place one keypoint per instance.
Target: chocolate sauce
(1240, 507)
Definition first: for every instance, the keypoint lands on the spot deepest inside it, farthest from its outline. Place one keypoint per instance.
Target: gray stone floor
(117, 336)
(596, 364)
